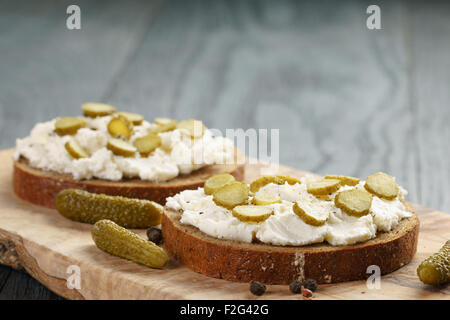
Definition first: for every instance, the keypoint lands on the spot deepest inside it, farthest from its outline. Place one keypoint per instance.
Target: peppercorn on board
(46, 245)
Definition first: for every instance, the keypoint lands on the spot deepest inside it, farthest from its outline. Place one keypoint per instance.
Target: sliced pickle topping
(312, 213)
(354, 202)
(96, 109)
(121, 148)
(382, 185)
(345, 180)
(260, 182)
(252, 214)
(147, 144)
(75, 150)
(231, 195)
(134, 118)
(290, 180)
(164, 125)
(120, 127)
(216, 182)
(69, 125)
(264, 198)
(323, 186)
(195, 128)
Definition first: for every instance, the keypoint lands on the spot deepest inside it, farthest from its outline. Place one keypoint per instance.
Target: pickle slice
(123, 243)
(69, 125)
(216, 182)
(324, 197)
(134, 118)
(120, 147)
(290, 180)
(120, 127)
(435, 270)
(194, 127)
(323, 186)
(345, 180)
(83, 206)
(75, 150)
(96, 109)
(164, 125)
(260, 182)
(311, 213)
(252, 214)
(231, 195)
(264, 198)
(382, 185)
(354, 202)
(147, 144)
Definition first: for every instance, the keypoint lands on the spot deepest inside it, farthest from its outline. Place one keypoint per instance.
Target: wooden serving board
(45, 244)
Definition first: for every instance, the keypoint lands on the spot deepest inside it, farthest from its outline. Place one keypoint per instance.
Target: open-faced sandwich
(119, 153)
(280, 229)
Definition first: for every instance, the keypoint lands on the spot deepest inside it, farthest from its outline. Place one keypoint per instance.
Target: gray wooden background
(346, 99)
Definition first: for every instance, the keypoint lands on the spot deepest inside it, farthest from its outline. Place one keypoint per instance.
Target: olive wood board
(44, 244)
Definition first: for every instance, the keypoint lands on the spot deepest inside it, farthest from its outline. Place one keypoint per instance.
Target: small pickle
(310, 212)
(69, 125)
(147, 144)
(96, 109)
(231, 195)
(121, 148)
(252, 214)
(257, 184)
(435, 270)
(134, 118)
(382, 185)
(120, 127)
(216, 182)
(75, 150)
(83, 206)
(345, 180)
(354, 202)
(264, 198)
(195, 128)
(123, 243)
(323, 186)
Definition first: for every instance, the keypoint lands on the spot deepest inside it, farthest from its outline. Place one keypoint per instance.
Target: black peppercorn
(257, 288)
(295, 286)
(310, 284)
(154, 235)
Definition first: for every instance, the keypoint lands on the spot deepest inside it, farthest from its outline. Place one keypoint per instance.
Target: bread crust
(41, 187)
(244, 262)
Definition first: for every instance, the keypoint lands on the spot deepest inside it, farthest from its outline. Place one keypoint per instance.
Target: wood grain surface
(45, 244)
(346, 99)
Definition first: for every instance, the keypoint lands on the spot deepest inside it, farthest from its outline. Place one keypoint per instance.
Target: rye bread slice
(245, 262)
(41, 187)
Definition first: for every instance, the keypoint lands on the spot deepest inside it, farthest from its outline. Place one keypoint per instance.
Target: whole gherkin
(83, 206)
(436, 268)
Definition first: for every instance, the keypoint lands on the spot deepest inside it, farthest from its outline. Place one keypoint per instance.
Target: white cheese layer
(284, 227)
(178, 154)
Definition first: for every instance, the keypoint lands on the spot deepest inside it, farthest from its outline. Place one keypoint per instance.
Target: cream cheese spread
(178, 154)
(284, 227)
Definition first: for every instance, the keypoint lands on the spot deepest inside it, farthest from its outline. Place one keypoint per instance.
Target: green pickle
(118, 241)
(435, 269)
(83, 206)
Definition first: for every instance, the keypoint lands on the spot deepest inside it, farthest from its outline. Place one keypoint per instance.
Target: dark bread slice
(41, 187)
(245, 262)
